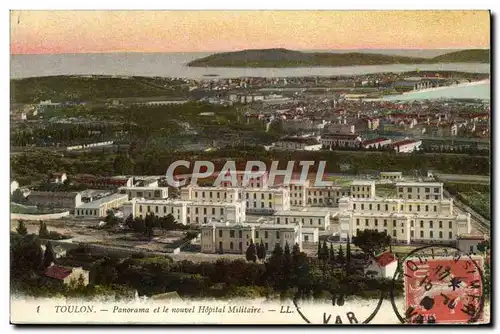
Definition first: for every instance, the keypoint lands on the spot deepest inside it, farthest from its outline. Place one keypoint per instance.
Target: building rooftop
(58, 272)
(101, 201)
(297, 213)
(363, 182)
(419, 184)
(375, 141)
(406, 142)
(60, 194)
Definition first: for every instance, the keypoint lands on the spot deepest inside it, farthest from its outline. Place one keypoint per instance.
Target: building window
(240, 246)
(277, 234)
(220, 245)
(221, 211)
(427, 190)
(240, 234)
(376, 222)
(220, 233)
(267, 246)
(386, 207)
(265, 234)
(440, 224)
(357, 221)
(421, 234)
(378, 207)
(421, 224)
(418, 207)
(196, 210)
(385, 222)
(369, 206)
(450, 224)
(394, 233)
(213, 211)
(140, 208)
(409, 207)
(362, 206)
(431, 224)
(149, 209)
(450, 235)
(231, 245)
(366, 222)
(426, 208)
(354, 206)
(409, 190)
(231, 233)
(393, 223)
(431, 234)
(440, 234)
(436, 190)
(411, 223)
(412, 234)
(256, 234)
(435, 208)
(409, 196)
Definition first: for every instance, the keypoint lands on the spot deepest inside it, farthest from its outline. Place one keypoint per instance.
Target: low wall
(49, 216)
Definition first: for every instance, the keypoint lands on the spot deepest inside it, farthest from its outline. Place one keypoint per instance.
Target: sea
(174, 65)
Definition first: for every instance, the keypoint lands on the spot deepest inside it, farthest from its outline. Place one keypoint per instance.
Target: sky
(56, 32)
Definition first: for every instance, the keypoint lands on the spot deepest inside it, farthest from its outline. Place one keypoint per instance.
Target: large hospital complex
(231, 217)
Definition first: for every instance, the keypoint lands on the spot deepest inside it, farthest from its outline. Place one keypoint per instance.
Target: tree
(295, 252)
(324, 252)
(332, 255)
(110, 219)
(21, 228)
(149, 225)
(371, 241)
(129, 222)
(320, 252)
(483, 246)
(261, 251)
(251, 253)
(348, 254)
(42, 230)
(49, 256)
(340, 256)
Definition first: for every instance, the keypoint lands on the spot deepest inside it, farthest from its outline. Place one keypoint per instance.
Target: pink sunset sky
(49, 32)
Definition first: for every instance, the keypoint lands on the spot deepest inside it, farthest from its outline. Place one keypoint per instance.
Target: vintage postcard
(250, 167)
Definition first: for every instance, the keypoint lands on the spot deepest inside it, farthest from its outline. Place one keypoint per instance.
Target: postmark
(442, 285)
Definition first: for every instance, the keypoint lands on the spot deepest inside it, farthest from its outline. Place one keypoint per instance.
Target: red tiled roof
(385, 259)
(58, 272)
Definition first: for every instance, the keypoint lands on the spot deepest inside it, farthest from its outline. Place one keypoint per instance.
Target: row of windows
(410, 189)
(431, 223)
(361, 188)
(278, 220)
(188, 210)
(418, 196)
(262, 204)
(210, 194)
(422, 234)
(386, 207)
(262, 196)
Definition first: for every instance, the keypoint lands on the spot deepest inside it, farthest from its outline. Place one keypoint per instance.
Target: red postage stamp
(443, 290)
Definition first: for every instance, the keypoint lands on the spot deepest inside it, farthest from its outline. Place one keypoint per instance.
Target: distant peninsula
(289, 58)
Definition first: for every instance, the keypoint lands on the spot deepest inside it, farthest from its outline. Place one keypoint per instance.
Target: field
(475, 195)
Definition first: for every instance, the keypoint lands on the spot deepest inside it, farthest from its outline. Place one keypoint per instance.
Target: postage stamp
(441, 289)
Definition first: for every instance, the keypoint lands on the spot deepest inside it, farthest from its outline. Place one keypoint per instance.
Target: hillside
(465, 56)
(84, 88)
(289, 58)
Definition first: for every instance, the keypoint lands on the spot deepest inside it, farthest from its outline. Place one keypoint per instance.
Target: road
(484, 179)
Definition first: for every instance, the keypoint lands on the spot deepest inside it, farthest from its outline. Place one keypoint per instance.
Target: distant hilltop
(290, 58)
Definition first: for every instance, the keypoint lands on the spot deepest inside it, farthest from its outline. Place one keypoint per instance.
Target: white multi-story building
(266, 201)
(407, 145)
(235, 238)
(332, 140)
(391, 176)
(99, 208)
(210, 194)
(363, 189)
(316, 219)
(325, 196)
(403, 220)
(190, 212)
(420, 190)
(145, 192)
(260, 181)
(310, 234)
(396, 205)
